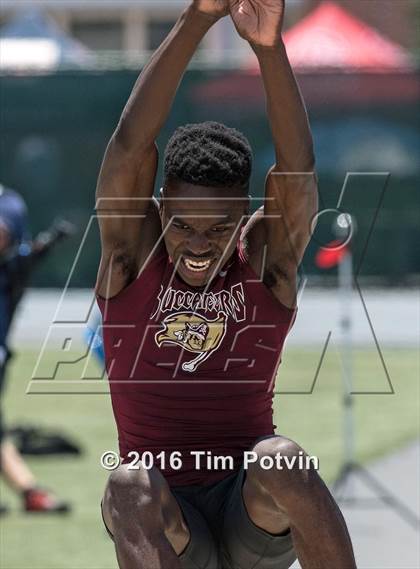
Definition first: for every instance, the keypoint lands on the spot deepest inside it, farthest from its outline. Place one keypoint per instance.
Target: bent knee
(277, 446)
(127, 490)
(281, 460)
(143, 495)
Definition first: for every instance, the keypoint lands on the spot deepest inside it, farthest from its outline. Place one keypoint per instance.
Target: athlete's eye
(219, 229)
(180, 225)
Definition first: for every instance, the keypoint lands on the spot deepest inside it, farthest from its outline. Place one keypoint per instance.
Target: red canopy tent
(330, 37)
(365, 66)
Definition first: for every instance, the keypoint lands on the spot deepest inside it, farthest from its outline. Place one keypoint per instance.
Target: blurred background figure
(18, 257)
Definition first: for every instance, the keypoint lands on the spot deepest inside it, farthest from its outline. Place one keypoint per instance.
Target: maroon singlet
(190, 370)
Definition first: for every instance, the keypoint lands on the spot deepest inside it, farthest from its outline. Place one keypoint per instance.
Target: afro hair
(208, 154)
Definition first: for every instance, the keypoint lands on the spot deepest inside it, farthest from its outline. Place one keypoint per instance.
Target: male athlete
(197, 300)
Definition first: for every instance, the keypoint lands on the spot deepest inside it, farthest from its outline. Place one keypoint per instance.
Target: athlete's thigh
(199, 550)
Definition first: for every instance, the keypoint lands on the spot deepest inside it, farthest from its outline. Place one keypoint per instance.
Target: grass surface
(383, 422)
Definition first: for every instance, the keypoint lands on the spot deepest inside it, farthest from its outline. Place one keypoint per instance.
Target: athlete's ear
(248, 205)
(160, 201)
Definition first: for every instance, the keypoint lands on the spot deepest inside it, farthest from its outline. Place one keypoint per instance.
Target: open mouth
(197, 266)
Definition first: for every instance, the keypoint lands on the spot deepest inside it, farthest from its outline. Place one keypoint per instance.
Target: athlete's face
(201, 228)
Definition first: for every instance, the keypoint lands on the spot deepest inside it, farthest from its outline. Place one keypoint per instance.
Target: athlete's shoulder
(252, 241)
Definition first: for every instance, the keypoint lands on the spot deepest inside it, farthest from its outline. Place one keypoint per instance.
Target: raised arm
(128, 217)
(283, 228)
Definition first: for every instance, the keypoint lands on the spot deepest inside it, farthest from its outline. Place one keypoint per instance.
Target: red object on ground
(330, 37)
(41, 501)
(331, 255)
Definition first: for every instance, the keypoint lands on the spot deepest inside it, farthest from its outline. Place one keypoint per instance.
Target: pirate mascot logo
(193, 333)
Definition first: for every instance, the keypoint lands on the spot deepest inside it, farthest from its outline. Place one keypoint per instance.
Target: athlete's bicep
(280, 231)
(290, 206)
(124, 190)
(128, 220)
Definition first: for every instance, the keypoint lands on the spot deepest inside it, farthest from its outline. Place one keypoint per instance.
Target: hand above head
(258, 21)
(214, 8)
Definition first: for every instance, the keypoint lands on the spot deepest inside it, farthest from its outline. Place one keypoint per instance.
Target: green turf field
(78, 541)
